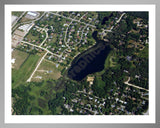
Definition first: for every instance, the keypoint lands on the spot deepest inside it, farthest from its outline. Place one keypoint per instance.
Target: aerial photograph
(80, 62)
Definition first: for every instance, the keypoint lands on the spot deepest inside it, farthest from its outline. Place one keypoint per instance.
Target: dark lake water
(90, 61)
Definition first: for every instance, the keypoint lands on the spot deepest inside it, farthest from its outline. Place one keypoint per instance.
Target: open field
(25, 70)
(40, 97)
(20, 58)
(100, 82)
(47, 70)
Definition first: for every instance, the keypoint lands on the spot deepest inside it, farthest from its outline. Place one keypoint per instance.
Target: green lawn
(20, 57)
(20, 76)
(108, 63)
(144, 53)
(100, 83)
(42, 71)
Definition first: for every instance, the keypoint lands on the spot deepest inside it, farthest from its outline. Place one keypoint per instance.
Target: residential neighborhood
(80, 63)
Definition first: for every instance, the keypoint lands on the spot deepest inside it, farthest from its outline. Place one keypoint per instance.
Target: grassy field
(109, 62)
(101, 83)
(20, 58)
(20, 76)
(47, 70)
(40, 97)
(39, 94)
(17, 13)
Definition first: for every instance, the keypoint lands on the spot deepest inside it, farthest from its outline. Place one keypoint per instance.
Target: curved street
(127, 82)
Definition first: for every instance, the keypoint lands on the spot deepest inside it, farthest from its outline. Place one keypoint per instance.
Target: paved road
(38, 18)
(36, 67)
(45, 38)
(41, 48)
(110, 30)
(66, 33)
(68, 27)
(32, 21)
(81, 35)
(83, 16)
(72, 19)
(120, 18)
(127, 82)
(18, 19)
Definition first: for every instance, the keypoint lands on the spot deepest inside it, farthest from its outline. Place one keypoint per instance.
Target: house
(90, 80)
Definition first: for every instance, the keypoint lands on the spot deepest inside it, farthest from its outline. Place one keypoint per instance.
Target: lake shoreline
(84, 63)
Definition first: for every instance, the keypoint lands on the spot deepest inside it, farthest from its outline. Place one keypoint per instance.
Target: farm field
(23, 73)
(19, 57)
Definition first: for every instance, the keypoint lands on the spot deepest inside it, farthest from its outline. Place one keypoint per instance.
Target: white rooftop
(32, 13)
(26, 27)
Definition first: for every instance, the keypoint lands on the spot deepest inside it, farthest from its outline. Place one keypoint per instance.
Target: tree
(54, 103)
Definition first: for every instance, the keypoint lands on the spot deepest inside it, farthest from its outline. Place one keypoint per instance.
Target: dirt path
(73, 19)
(41, 48)
(127, 82)
(36, 67)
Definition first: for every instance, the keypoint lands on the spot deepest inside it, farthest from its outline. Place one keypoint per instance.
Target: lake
(90, 61)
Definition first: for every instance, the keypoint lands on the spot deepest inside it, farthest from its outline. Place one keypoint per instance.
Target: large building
(19, 33)
(26, 27)
(32, 15)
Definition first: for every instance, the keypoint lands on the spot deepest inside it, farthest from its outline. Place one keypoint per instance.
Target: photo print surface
(90, 64)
